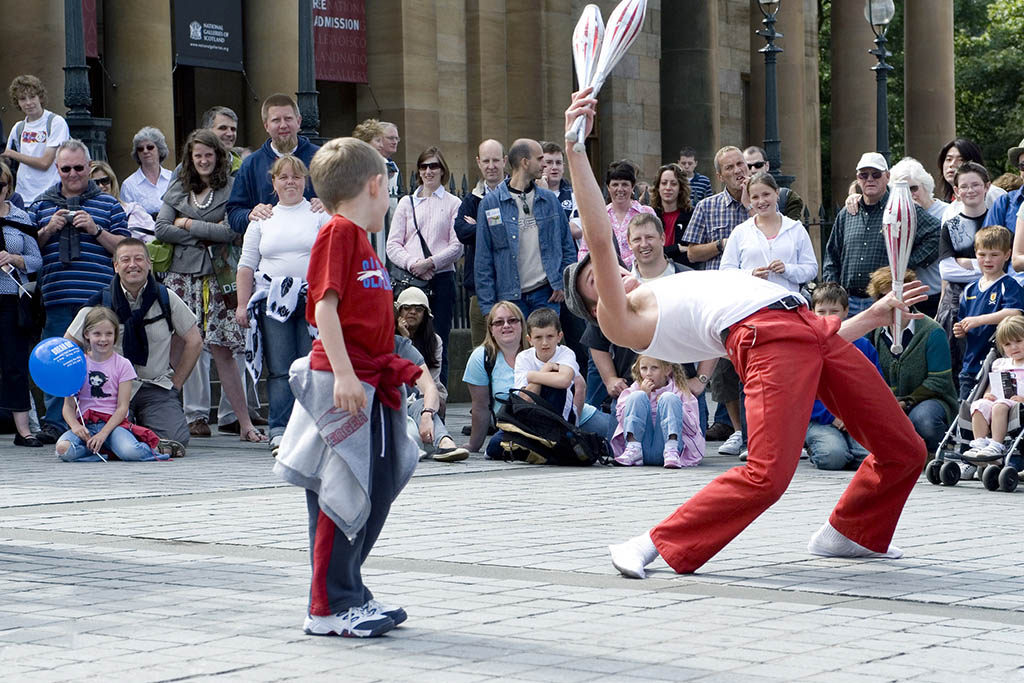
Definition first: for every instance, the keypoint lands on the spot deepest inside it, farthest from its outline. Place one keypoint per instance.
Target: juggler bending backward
(785, 356)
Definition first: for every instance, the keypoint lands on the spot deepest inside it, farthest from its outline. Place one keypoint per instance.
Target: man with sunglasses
(1005, 209)
(79, 228)
(856, 246)
(790, 204)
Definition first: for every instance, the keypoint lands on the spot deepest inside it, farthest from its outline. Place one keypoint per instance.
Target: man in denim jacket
(523, 241)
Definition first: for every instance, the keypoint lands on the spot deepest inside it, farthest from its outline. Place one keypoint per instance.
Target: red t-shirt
(343, 260)
(669, 218)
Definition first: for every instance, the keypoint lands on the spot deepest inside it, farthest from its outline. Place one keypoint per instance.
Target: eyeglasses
(413, 307)
(3, 184)
(77, 168)
(392, 138)
(874, 175)
(430, 165)
(757, 164)
(102, 180)
(145, 148)
(915, 188)
(501, 322)
(1021, 165)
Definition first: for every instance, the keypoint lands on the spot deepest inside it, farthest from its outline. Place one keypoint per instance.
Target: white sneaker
(967, 471)
(357, 622)
(733, 445)
(804, 455)
(993, 451)
(744, 455)
(395, 614)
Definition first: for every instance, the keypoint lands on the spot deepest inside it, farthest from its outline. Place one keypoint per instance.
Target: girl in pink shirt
(97, 414)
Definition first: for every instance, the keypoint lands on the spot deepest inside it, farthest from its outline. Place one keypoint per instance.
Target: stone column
(35, 47)
(486, 75)
(930, 111)
(853, 94)
(145, 92)
(812, 105)
(271, 57)
(689, 82)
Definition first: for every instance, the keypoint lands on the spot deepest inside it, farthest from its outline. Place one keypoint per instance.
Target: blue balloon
(57, 366)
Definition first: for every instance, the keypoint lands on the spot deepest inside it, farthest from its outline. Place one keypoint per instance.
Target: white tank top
(695, 306)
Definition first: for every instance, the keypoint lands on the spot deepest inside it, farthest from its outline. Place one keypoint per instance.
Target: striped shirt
(72, 284)
(700, 187)
(713, 219)
(435, 216)
(21, 244)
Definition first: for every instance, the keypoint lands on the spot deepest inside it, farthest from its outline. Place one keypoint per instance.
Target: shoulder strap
(19, 128)
(489, 363)
(415, 224)
(165, 305)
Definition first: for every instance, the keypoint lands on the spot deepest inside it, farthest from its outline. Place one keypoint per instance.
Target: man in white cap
(1005, 209)
(856, 247)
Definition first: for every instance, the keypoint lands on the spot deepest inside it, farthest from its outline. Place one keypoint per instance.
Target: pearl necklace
(204, 205)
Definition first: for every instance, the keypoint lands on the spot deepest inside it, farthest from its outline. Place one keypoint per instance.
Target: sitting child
(989, 414)
(985, 302)
(659, 422)
(99, 419)
(829, 445)
(548, 369)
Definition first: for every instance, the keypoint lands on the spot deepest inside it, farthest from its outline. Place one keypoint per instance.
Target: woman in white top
(272, 278)
(428, 217)
(140, 223)
(768, 244)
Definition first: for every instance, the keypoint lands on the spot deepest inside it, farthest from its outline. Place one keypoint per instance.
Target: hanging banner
(89, 28)
(208, 34)
(339, 39)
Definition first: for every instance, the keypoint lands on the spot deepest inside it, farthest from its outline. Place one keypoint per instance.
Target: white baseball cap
(873, 160)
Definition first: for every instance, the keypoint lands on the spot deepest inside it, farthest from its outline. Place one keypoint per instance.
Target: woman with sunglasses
(490, 369)
(193, 219)
(19, 256)
(140, 223)
(423, 241)
(149, 183)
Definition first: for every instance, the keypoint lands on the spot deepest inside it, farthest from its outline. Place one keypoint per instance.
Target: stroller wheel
(990, 478)
(949, 473)
(1008, 479)
(931, 471)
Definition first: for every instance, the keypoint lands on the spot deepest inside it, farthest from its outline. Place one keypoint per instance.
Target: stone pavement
(197, 569)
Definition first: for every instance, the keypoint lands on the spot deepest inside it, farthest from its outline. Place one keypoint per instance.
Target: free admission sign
(339, 38)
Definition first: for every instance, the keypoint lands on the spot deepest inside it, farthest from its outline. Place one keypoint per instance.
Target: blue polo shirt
(1002, 294)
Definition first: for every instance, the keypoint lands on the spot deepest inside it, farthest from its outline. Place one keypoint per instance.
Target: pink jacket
(690, 441)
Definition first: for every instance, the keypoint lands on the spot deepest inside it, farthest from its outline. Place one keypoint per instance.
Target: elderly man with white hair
(148, 184)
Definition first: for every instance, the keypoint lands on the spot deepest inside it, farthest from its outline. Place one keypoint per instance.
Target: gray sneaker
(733, 445)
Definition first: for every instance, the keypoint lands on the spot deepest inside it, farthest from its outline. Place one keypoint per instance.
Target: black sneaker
(30, 441)
(719, 432)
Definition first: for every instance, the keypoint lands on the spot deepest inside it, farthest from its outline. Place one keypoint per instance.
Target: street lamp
(772, 144)
(879, 13)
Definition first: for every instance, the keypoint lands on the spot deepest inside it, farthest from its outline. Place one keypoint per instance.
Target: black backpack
(533, 432)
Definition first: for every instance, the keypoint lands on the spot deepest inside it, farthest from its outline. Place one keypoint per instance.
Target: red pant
(785, 358)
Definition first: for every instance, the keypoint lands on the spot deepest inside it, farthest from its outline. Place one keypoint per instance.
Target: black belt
(790, 302)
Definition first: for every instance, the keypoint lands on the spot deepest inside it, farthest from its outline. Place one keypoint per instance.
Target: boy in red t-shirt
(350, 453)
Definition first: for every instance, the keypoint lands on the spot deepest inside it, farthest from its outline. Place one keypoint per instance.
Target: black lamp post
(306, 97)
(772, 144)
(879, 13)
(77, 98)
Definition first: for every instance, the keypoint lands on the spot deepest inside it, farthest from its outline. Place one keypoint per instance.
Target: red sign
(89, 28)
(339, 39)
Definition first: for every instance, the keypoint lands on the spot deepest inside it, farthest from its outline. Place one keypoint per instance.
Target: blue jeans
(702, 411)
(596, 391)
(859, 303)
(58, 319)
(122, 442)
(601, 424)
(929, 420)
(829, 448)
(282, 344)
(531, 301)
(721, 415)
(636, 420)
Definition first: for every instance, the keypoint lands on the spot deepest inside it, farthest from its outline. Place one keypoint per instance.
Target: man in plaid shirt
(710, 226)
(856, 246)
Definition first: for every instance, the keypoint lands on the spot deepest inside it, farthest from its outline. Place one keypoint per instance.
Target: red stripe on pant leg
(779, 363)
(870, 508)
(323, 546)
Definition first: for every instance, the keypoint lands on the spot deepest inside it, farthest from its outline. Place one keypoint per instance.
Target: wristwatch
(703, 379)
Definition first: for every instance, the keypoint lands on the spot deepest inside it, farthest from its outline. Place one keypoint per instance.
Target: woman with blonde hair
(141, 224)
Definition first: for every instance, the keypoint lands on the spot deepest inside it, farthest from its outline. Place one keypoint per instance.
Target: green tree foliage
(989, 44)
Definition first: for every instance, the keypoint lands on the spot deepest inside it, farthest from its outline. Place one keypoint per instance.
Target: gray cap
(572, 296)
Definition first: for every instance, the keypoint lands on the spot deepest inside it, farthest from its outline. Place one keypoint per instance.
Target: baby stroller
(997, 473)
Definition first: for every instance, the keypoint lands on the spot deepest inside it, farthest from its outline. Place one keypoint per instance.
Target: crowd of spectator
(208, 261)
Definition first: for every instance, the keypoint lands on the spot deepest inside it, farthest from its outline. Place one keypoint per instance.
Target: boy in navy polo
(984, 303)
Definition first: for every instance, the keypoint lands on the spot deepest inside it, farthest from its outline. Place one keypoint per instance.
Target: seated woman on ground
(415, 322)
